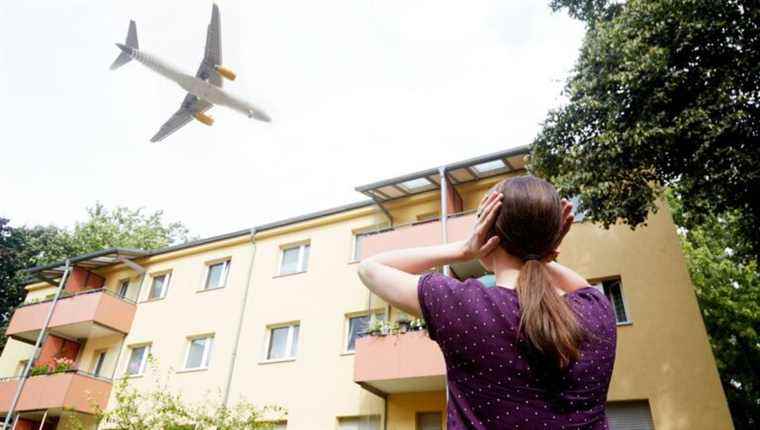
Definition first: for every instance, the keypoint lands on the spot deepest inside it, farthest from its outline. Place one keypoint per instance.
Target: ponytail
(547, 321)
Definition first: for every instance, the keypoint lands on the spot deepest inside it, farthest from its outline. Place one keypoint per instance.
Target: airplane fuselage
(195, 86)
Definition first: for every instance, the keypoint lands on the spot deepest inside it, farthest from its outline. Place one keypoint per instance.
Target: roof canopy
(52, 272)
(458, 173)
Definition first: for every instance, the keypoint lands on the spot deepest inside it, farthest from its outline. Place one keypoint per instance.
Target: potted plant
(404, 323)
(417, 324)
(62, 364)
(43, 369)
(375, 327)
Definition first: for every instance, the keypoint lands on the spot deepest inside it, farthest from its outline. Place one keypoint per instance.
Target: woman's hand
(479, 244)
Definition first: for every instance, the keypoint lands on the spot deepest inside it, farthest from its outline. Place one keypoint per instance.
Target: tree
(665, 93)
(25, 247)
(163, 407)
(728, 291)
(125, 228)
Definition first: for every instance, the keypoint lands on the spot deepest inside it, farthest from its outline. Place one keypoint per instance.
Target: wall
(403, 408)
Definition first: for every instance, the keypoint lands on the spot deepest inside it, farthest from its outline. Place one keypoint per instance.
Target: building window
(578, 215)
(100, 359)
(199, 352)
(138, 358)
(295, 259)
(612, 289)
(429, 421)
(20, 367)
(366, 422)
(123, 288)
(283, 342)
(356, 252)
(633, 414)
(356, 327)
(158, 286)
(216, 275)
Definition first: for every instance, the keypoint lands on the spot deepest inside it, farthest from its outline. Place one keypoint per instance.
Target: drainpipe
(241, 315)
(444, 212)
(35, 351)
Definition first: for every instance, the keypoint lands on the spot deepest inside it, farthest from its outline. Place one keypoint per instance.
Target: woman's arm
(393, 275)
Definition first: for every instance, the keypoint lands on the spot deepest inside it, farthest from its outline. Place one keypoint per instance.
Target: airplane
(204, 90)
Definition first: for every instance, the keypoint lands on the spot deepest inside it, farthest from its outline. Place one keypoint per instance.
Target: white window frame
(98, 354)
(303, 265)
(368, 231)
(123, 284)
(288, 342)
(143, 362)
(165, 288)
(208, 349)
(347, 326)
(599, 285)
(223, 279)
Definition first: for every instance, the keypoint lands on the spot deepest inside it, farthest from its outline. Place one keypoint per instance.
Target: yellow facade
(663, 356)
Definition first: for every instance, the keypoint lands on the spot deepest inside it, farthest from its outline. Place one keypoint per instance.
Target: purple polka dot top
(495, 380)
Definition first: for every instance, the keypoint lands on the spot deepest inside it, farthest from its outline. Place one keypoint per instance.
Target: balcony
(83, 315)
(428, 233)
(403, 363)
(71, 390)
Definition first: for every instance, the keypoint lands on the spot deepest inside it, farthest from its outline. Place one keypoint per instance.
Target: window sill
(624, 323)
(279, 360)
(344, 353)
(206, 290)
(354, 261)
(157, 299)
(137, 376)
(283, 275)
(193, 370)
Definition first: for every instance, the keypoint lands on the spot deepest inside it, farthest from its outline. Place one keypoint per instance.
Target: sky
(359, 91)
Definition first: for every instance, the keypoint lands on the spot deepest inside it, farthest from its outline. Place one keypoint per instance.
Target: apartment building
(276, 315)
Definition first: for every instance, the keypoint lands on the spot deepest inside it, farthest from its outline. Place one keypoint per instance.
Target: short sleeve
(435, 291)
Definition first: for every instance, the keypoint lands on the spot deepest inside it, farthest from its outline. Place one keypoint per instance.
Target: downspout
(35, 351)
(241, 315)
(444, 212)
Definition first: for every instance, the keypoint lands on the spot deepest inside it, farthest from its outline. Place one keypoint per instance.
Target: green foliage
(665, 93)
(43, 369)
(25, 247)
(164, 408)
(125, 228)
(728, 290)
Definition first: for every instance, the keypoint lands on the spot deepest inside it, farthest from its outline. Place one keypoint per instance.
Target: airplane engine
(225, 73)
(206, 119)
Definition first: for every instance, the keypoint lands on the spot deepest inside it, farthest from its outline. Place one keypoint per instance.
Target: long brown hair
(529, 226)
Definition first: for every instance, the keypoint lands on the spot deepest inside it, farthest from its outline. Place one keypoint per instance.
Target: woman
(534, 353)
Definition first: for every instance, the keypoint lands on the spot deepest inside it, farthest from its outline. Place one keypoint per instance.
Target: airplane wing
(213, 53)
(190, 105)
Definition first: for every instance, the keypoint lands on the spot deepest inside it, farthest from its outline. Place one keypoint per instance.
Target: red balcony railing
(72, 390)
(399, 363)
(86, 314)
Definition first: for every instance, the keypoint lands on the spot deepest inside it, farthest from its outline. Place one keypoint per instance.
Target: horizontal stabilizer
(131, 44)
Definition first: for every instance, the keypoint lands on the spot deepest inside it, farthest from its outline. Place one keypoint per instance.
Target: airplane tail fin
(131, 42)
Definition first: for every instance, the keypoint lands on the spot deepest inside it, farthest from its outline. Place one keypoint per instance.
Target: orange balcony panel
(414, 235)
(403, 363)
(84, 315)
(70, 390)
